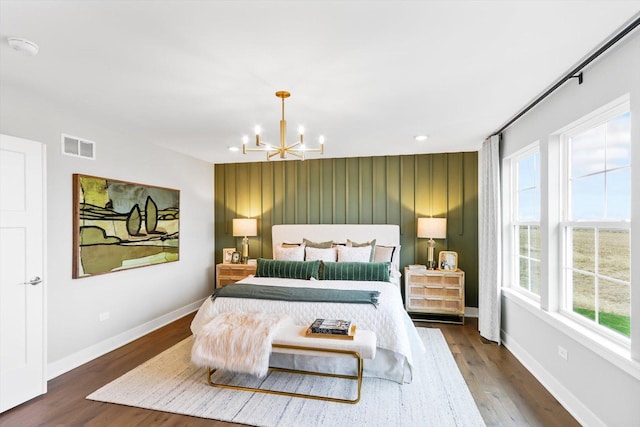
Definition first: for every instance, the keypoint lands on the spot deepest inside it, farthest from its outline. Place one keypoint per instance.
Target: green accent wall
(359, 190)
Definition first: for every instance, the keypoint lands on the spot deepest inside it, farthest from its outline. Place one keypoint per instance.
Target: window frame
(566, 225)
(512, 230)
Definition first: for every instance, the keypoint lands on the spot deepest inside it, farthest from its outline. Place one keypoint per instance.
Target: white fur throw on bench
(237, 342)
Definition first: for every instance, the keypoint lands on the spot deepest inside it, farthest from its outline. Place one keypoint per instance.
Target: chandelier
(297, 149)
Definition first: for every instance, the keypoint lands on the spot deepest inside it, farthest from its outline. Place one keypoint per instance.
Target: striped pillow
(287, 269)
(366, 271)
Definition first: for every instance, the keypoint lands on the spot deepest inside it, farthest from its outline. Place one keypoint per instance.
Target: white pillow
(295, 253)
(383, 253)
(388, 254)
(326, 255)
(354, 254)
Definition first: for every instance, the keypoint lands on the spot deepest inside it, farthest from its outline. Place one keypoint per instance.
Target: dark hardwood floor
(505, 392)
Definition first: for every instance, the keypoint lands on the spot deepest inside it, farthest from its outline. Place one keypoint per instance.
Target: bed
(397, 338)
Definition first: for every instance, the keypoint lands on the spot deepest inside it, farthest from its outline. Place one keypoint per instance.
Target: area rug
(438, 395)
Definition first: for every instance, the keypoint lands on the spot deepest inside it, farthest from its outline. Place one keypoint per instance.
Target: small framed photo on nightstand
(448, 260)
(227, 255)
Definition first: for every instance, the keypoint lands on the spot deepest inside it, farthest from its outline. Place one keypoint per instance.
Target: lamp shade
(245, 227)
(432, 228)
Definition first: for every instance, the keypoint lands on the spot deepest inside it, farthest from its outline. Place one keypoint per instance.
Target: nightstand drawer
(435, 291)
(231, 273)
(444, 279)
(436, 305)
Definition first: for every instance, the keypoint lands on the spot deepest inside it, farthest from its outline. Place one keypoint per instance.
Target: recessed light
(23, 46)
(234, 148)
(421, 137)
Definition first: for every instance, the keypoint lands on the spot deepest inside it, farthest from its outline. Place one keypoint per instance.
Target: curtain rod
(575, 73)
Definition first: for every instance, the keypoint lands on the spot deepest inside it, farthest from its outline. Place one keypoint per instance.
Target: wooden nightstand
(436, 292)
(231, 273)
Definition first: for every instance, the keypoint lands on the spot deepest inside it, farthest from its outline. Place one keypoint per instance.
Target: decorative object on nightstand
(245, 228)
(231, 273)
(227, 255)
(435, 292)
(431, 228)
(448, 260)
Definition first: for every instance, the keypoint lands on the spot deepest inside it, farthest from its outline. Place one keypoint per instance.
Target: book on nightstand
(332, 328)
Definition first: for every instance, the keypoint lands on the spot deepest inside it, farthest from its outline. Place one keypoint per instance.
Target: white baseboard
(81, 357)
(471, 312)
(572, 404)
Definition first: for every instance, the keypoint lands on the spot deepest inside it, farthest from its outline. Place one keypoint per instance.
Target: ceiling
(195, 76)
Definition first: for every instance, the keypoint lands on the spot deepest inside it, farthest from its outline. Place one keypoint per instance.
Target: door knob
(34, 281)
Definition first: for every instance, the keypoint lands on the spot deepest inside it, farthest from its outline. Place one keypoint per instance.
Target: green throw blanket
(285, 293)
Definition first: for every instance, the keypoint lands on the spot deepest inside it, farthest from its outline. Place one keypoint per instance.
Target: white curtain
(489, 239)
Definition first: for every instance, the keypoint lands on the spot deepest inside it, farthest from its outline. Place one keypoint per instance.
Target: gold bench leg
(357, 377)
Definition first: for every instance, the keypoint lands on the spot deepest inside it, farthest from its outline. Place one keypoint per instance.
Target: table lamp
(245, 228)
(432, 228)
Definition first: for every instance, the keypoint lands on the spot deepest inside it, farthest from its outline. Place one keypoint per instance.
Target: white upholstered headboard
(385, 234)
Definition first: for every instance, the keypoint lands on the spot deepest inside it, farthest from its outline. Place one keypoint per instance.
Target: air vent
(78, 147)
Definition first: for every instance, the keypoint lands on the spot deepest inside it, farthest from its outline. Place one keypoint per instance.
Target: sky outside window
(600, 174)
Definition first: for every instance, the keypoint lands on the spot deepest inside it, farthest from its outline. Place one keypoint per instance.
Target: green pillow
(320, 245)
(287, 269)
(366, 271)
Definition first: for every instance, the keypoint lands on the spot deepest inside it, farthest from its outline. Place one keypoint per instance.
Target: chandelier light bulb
(321, 139)
(245, 139)
(301, 130)
(257, 130)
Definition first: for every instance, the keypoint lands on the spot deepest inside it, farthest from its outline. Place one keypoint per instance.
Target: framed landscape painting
(118, 225)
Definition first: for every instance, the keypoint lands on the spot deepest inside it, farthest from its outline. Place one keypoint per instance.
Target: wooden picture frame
(448, 261)
(227, 255)
(119, 225)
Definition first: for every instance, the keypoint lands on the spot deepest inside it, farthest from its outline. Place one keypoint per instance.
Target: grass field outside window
(600, 281)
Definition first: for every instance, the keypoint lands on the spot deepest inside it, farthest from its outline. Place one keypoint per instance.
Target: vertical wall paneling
(341, 189)
(333, 192)
(378, 190)
(393, 176)
(310, 196)
(461, 190)
(408, 212)
(266, 218)
(379, 194)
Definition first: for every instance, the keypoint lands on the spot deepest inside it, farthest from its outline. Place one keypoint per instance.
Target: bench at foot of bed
(291, 339)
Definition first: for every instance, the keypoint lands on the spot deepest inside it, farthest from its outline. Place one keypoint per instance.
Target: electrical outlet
(562, 352)
(104, 316)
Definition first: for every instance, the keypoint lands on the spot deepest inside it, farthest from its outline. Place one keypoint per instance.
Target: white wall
(598, 384)
(138, 300)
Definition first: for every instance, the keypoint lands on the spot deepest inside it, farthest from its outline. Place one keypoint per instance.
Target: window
(525, 221)
(596, 223)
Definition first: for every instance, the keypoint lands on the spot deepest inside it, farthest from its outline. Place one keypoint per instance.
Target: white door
(22, 298)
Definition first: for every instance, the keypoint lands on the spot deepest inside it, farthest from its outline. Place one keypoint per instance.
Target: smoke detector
(23, 46)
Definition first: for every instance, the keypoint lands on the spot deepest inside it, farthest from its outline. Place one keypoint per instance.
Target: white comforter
(394, 330)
